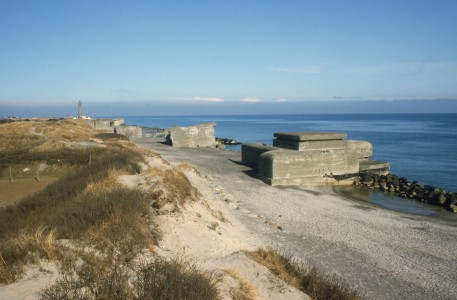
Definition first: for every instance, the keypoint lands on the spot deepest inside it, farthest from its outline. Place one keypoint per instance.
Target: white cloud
(250, 100)
(209, 99)
(302, 70)
(281, 100)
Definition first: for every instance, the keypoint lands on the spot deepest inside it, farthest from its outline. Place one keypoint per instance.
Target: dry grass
(44, 135)
(185, 166)
(90, 276)
(82, 205)
(310, 281)
(245, 291)
(102, 215)
(170, 189)
(12, 192)
(94, 227)
(175, 279)
(281, 265)
(27, 246)
(110, 278)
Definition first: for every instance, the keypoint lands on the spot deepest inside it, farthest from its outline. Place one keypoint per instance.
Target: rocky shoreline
(404, 188)
(227, 141)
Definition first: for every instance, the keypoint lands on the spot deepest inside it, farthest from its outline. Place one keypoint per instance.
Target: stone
(453, 207)
(367, 179)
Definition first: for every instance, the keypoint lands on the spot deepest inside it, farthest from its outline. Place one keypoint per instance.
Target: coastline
(382, 253)
(390, 201)
(400, 139)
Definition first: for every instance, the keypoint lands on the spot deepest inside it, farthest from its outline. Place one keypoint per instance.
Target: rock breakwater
(227, 141)
(404, 188)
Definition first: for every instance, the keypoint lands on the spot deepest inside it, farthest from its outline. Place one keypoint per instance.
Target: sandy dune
(208, 233)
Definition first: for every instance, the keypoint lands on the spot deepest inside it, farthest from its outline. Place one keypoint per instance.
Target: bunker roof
(309, 136)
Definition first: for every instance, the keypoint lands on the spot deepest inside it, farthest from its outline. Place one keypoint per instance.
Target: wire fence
(23, 164)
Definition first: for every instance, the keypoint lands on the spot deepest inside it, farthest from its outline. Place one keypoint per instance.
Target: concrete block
(368, 166)
(250, 153)
(309, 145)
(118, 122)
(129, 131)
(362, 148)
(201, 135)
(309, 136)
(288, 167)
(106, 125)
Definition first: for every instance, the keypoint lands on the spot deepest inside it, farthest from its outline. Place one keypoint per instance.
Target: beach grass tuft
(308, 280)
(110, 277)
(245, 290)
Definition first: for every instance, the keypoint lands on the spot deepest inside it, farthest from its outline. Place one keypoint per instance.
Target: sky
(227, 57)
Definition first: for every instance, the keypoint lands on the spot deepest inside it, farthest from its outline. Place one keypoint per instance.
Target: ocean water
(420, 147)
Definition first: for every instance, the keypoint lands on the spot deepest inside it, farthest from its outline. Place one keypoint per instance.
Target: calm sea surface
(421, 147)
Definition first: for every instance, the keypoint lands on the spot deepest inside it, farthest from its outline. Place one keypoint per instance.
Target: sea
(420, 147)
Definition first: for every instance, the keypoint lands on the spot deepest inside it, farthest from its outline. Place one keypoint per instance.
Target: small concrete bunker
(129, 131)
(201, 135)
(311, 158)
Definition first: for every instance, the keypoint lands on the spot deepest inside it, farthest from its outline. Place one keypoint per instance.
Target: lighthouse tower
(80, 110)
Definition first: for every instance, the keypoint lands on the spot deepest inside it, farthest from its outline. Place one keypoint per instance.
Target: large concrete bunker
(300, 158)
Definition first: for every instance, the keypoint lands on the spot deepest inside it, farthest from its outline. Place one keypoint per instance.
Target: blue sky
(127, 57)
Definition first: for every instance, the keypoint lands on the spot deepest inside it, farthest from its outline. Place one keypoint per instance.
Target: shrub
(110, 277)
(171, 189)
(86, 276)
(310, 281)
(174, 279)
(110, 136)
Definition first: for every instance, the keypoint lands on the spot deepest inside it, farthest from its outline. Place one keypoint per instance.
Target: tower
(80, 110)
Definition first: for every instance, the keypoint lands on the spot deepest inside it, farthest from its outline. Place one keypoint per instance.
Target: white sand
(34, 280)
(208, 233)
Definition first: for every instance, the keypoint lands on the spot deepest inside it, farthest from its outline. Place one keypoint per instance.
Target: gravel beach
(383, 254)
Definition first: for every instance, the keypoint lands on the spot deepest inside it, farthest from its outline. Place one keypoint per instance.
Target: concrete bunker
(106, 125)
(299, 158)
(201, 135)
(129, 131)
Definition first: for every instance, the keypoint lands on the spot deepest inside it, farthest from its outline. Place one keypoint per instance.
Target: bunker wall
(287, 167)
(201, 135)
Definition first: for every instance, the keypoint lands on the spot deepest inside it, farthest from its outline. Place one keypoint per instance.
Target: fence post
(11, 175)
(90, 158)
(37, 178)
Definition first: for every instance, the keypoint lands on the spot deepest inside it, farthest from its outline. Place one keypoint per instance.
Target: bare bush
(171, 189)
(110, 278)
(174, 279)
(88, 276)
